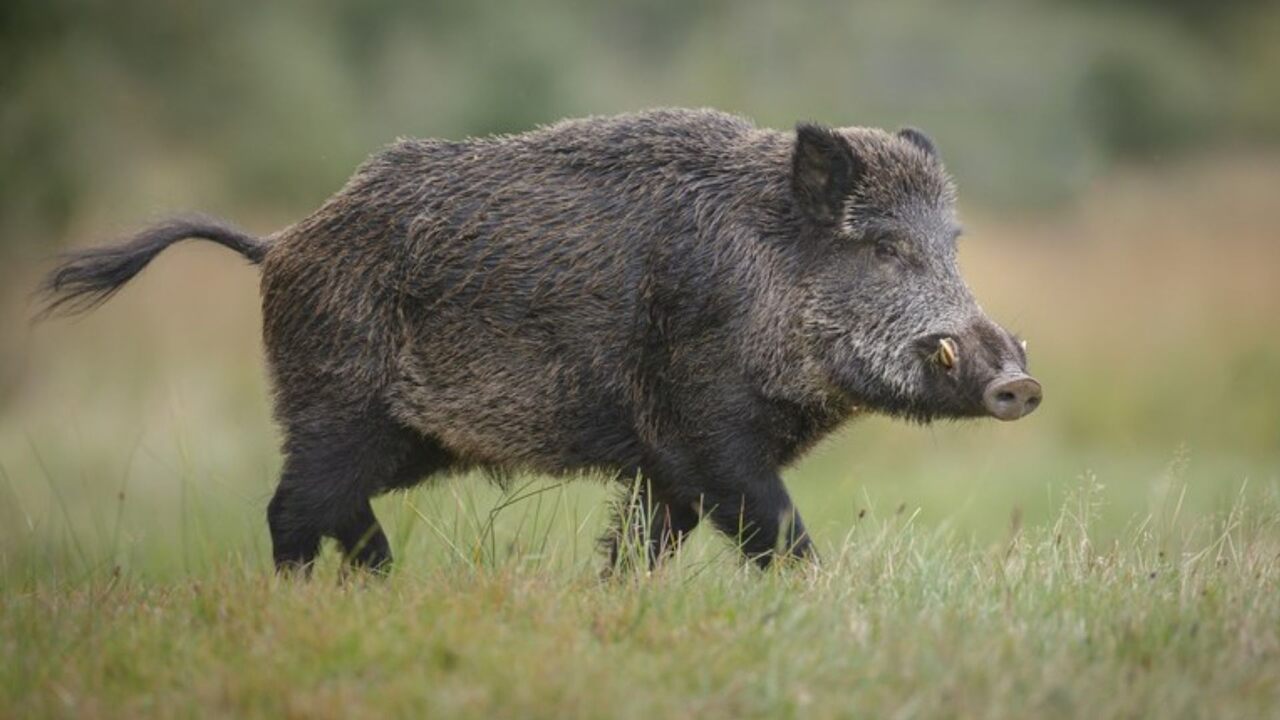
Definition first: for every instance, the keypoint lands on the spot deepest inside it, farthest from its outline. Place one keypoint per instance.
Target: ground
(1116, 554)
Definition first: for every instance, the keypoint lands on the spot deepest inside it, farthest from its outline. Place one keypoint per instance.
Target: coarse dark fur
(674, 296)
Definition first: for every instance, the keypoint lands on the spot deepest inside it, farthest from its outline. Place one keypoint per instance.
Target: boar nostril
(1010, 397)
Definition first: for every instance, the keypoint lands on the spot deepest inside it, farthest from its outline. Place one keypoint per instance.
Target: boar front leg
(761, 518)
(647, 524)
(743, 498)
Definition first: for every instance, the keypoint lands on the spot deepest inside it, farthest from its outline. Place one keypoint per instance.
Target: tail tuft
(84, 279)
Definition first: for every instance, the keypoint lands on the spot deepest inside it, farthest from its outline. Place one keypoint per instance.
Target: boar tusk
(1023, 343)
(947, 354)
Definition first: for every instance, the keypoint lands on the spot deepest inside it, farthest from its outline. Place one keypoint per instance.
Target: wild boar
(675, 298)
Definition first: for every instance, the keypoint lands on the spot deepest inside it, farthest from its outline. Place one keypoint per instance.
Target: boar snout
(1010, 397)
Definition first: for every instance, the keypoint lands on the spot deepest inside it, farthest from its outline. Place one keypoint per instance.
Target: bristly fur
(675, 295)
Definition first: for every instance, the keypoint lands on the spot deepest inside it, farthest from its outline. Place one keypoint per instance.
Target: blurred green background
(1119, 167)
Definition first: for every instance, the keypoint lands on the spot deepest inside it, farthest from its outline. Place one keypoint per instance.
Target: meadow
(1116, 554)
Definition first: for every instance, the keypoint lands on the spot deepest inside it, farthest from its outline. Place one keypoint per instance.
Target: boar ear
(824, 171)
(920, 140)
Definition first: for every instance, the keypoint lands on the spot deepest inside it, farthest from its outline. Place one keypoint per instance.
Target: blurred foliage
(109, 110)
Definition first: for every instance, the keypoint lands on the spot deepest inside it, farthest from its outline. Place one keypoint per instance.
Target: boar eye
(886, 250)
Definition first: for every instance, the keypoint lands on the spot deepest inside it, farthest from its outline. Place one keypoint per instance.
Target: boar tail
(84, 279)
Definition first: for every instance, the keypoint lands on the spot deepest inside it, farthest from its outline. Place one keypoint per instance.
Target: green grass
(1116, 554)
(505, 616)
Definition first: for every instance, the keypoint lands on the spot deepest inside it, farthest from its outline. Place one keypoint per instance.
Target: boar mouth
(970, 387)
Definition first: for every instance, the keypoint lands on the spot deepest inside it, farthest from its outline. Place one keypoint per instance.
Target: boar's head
(884, 313)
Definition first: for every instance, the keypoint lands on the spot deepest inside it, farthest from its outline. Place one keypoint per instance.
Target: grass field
(1117, 554)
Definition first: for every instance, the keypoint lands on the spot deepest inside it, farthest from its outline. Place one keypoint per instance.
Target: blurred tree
(1134, 111)
(1212, 20)
(116, 110)
(38, 183)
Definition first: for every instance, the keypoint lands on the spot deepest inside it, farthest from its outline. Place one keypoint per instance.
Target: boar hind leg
(332, 468)
(364, 544)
